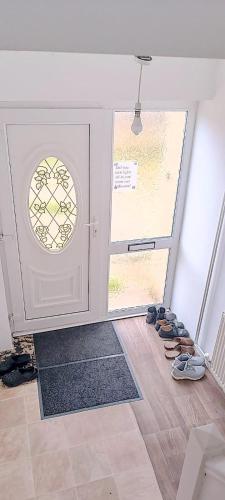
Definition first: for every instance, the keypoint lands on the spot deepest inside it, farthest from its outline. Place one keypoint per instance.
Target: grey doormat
(76, 343)
(81, 368)
(86, 384)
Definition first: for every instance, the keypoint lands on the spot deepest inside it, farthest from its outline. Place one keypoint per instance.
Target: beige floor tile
(117, 419)
(82, 427)
(52, 472)
(31, 389)
(102, 489)
(137, 485)
(32, 406)
(14, 444)
(16, 481)
(12, 412)
(127, 451)
(70, 494)
(46, 436)
(89, 462)
(10, 392)
(32, 410)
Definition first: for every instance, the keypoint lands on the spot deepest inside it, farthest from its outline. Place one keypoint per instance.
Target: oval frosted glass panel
(52, 204)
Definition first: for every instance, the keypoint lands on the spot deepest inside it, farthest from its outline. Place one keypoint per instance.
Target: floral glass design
(52, 204)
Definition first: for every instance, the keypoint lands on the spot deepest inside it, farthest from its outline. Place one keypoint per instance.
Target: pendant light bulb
(136, 126)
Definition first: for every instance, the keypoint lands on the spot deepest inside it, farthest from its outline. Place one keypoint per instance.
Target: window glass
(146, 173)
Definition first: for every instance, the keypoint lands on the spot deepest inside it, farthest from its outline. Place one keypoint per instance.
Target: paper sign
(125, 175)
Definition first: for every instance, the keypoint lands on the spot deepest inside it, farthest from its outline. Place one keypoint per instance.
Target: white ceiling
(186, 28)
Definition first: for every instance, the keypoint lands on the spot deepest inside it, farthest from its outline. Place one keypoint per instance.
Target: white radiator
(217, 365)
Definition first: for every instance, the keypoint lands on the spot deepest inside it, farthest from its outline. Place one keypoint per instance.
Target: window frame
(170, 242)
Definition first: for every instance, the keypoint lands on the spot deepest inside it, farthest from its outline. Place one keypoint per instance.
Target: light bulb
(136, 126)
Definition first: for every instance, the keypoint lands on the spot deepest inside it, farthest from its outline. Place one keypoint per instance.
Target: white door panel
(55, 280)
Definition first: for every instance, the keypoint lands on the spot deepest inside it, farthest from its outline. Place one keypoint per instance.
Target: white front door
(54, 221)
(50, 180)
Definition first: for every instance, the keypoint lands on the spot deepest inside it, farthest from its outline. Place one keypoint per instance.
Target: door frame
(99, 121)
(163, 242)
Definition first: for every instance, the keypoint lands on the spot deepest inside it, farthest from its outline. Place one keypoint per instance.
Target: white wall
(164, 28)
(204, 199)
(107, 80)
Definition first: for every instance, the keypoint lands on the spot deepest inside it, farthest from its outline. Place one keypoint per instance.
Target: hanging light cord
(139, 85)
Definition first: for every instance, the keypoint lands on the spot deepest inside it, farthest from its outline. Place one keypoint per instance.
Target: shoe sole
(173, 366)
(187, 378)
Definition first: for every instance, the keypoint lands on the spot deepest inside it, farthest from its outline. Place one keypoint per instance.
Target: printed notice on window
(125, 175)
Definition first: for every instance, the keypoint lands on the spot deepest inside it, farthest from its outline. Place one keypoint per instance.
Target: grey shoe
(168, 335)
(178, 324)
(170, 316)
(161, 313)
(186, 371)
(151, 315)
(182, 332)
(192, 360)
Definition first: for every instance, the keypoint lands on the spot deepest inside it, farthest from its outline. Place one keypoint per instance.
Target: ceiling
(185, 28)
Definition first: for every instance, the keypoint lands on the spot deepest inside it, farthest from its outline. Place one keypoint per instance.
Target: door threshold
(131, 312)
(112, 316)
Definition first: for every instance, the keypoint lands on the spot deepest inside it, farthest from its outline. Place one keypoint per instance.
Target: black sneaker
(19, 376)
(13, 361)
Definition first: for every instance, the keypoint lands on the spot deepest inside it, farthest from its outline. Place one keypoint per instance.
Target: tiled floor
(91, 455)
(115, 452)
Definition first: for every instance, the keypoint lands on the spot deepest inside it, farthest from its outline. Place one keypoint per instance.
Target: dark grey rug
(86, 384)
(81, 368)
(76, 343)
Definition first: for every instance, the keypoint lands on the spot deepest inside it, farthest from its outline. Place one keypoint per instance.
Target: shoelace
(187, 366)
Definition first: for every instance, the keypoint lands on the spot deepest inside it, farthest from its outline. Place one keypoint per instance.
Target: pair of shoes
(190, 369)
(169, 332)
(153, 315)
(14, 370)
(181, 346)
(165, 322)
(192, 360)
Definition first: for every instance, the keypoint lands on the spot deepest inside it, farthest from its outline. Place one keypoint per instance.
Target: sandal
(13, 361)
(178, 341)
(19, 376)
(179, 350)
